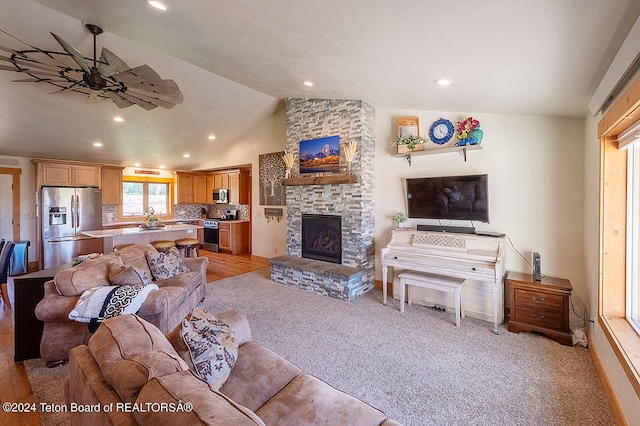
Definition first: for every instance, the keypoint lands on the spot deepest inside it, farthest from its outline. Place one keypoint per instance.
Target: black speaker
(537, 275)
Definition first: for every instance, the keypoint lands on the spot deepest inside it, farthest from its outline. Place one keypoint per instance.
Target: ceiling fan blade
(151, 99)
(138, 101)
(95, 96)
(7, 68)
(77, 56)
(142, 78)
(6, 49)
(118, 100)
(38, 80)
(110, 64)
(166, 91)
(33, 64)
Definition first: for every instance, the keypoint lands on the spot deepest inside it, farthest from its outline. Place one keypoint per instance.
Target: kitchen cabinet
(221, 180)
(239, 187)
(54, 173)
(192, 188)
(185, 188)
(111, 185)
(200, 189)
(233, 237)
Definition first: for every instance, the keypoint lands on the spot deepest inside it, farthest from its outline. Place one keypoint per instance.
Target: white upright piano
(468, 256)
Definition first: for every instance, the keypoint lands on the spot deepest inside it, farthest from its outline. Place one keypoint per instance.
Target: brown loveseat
(146, 378)
(165, 308)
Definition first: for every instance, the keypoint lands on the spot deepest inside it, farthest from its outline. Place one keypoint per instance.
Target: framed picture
(271, 170)
(320, 155)
(408, 126)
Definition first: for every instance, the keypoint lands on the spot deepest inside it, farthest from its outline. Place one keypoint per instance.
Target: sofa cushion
(212, 345)
(88, 274)
(121, 275)
(100, 303)
(309, 401)
(258, 375)
(188, 280)
(134, 255)
(207, 406)
(166, 265)
(131, 351)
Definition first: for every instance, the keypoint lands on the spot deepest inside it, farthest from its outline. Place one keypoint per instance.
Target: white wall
(268, 238)
(536, 178)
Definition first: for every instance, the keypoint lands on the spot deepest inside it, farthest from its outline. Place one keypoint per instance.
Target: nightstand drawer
(554, 302)
(538, 317)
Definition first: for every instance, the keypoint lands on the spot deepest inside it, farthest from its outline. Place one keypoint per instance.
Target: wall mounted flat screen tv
(320, 155)
(448, 197)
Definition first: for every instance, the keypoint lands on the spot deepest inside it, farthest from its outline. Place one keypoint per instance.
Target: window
(633, 237)
(137, 197)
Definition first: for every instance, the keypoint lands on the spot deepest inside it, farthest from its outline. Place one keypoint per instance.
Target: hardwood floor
(14, 385)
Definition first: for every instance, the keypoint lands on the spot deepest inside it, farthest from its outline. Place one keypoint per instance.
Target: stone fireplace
(349, 198)
(322, 237)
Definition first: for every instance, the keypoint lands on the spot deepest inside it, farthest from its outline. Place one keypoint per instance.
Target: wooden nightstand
(541, 306)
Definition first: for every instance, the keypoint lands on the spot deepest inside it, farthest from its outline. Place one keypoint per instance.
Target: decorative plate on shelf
(441, 131)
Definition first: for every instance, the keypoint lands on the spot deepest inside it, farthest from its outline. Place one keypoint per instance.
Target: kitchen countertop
(102, 233)
(138, 222)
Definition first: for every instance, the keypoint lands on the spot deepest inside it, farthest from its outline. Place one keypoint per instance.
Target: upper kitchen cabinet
(239, 187)
(221, 180)
(192, 188)
(111, 185)
(67, 173)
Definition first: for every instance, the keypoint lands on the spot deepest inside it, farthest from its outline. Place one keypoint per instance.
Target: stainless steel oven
(211, 234)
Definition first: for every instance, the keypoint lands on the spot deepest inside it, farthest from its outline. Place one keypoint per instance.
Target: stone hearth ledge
(339, 281)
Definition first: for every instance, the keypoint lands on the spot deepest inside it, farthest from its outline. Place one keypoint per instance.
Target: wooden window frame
(622, 337)
(168, 181)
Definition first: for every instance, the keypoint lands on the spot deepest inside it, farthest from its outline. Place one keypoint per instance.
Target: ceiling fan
(108, 77)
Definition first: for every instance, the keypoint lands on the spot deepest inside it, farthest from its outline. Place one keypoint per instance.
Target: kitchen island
(136, 235)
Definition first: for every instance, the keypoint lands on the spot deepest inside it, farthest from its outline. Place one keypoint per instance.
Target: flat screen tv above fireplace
(448, 197)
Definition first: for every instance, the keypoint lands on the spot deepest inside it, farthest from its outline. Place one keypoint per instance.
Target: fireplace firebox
(322, 237)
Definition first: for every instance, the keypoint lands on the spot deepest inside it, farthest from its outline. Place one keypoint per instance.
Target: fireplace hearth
(322, 237)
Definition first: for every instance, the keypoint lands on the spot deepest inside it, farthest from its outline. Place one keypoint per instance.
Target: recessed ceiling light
(308, 83)
(97, 144)
(162, 166)
(212, 137)
(157, 5)
(136, 164)
(444, 82)
(186, 155)
(118, 119)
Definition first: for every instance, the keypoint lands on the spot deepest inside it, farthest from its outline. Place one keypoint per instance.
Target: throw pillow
(166, 265)
(100, 303)
(212, 345)
(121, 275)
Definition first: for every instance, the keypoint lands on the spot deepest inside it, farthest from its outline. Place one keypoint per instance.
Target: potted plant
(399, 218)
(469, 132)
(409, 143)
(151, 220)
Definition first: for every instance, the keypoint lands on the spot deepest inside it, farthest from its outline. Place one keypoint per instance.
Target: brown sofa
(165, 308)
(143, 376)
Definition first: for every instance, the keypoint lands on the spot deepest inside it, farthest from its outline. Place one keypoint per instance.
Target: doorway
(10, 203)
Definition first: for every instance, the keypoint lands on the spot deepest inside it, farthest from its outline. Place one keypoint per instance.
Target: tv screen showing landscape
(448, 197)
(320, 155)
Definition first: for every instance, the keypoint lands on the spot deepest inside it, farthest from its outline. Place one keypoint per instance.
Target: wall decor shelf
(461, 149)
(320, 180)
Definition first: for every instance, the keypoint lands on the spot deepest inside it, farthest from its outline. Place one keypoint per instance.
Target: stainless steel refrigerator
(65, 213)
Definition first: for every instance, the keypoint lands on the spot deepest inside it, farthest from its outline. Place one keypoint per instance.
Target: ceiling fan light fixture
(157, 5)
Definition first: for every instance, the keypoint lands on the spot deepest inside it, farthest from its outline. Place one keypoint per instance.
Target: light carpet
(417, 367)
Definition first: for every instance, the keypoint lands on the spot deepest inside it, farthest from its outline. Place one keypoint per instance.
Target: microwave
(220, 195)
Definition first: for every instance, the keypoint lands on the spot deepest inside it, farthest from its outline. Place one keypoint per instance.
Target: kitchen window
(633, 229)
(138, 196)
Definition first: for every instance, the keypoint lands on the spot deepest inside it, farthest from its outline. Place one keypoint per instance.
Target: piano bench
(434, 282)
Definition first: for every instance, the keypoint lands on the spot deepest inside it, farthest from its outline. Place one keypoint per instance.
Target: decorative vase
(476, 136)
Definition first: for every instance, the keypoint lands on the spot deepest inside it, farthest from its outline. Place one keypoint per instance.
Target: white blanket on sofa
(100, 303)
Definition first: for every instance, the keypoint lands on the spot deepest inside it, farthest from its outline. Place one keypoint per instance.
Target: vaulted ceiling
(236, 60)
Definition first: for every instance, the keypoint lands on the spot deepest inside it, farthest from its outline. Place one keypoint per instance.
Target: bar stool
(163, 245)
(188, 247)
